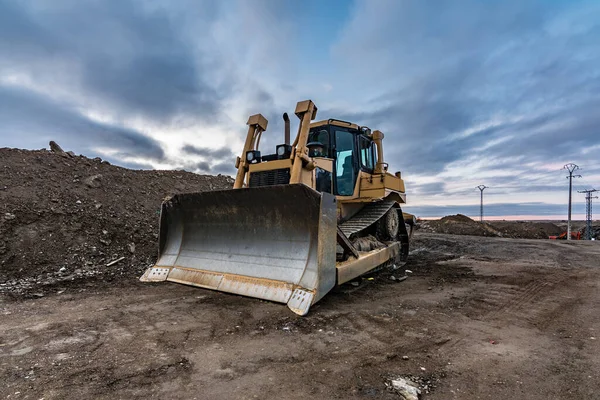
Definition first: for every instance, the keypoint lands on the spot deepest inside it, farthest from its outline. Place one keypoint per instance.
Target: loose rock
(226, 373)
(93, 181)
(55, 147)
(405, 388)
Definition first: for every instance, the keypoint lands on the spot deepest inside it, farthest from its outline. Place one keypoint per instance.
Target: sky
(467, 92)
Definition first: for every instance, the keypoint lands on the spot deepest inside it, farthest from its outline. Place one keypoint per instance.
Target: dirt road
(478, 318)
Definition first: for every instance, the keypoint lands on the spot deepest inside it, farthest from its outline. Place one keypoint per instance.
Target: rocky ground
(67, 218)
(483, 316)
(478, 318)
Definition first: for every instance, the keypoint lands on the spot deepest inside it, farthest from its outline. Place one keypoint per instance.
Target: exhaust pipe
(286, 119)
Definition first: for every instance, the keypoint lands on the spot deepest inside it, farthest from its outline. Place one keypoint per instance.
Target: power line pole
(570, 167)
(481, 189)
(588, 211)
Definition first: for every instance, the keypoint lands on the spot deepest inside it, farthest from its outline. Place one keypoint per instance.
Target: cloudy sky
(501, 93)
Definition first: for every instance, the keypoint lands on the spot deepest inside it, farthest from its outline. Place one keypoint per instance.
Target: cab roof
(335, 122)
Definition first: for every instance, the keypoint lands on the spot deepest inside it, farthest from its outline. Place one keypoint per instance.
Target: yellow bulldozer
(317, 213)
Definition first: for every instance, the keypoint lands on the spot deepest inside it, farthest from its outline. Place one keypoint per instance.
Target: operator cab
(340, 150)
(350, 147)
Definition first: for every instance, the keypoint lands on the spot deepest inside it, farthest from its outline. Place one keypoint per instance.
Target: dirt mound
(458, 225)
(63, 217)
(458, 218)
(595, 232)
(527, 229)
(462, 225)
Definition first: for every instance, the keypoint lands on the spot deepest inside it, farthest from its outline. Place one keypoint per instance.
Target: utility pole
(588, 211)
(570, 167)
(481, 189)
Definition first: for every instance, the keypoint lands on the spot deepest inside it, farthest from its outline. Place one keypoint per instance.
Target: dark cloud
(494, 90)
(205, 167)
(201, 166)
(212, 154)
(563, 133)
(225, 168)
(462, 74)
(132, 57)
(421, 119)
(126, 59)
(30, 120)
(426, 188)
(215, 161)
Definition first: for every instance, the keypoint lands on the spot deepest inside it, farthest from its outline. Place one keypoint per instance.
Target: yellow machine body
(319, 212)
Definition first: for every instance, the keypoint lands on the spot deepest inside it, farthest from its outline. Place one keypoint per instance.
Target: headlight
(253, 156)
(283, 151)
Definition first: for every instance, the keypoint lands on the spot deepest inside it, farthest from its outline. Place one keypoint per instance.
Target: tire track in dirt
(530, 294)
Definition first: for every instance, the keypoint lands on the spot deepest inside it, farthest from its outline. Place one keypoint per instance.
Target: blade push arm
(256, 125)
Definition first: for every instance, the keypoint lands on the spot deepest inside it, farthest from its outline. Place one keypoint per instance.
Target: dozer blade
(275, 243)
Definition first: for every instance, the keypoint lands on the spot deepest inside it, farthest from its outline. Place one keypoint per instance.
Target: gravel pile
(64, 217)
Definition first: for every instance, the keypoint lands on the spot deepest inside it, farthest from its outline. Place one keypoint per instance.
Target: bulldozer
(319, 212)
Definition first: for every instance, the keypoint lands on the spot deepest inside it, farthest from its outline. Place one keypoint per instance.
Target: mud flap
(275, 243)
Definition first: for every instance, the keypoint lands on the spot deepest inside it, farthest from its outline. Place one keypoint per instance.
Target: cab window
(367, 154)
(321, 135)
(345, 172)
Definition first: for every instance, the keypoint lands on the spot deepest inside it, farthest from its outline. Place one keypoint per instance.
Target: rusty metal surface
(262, 242)
(352, 268)
(265, 289)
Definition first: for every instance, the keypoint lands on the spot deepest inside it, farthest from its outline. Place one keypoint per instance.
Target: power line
(586, 183)
(570, 167)
(588, 211)
(481, 189)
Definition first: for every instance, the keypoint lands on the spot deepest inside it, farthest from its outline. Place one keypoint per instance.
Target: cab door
(346, 161)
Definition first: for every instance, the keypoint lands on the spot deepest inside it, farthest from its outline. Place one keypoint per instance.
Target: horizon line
(561, 218)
